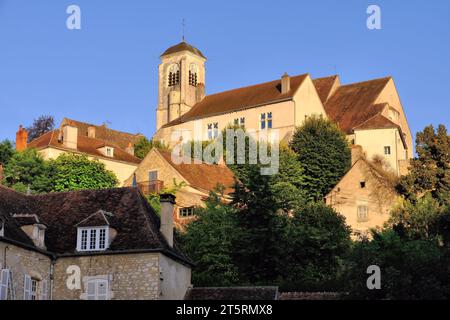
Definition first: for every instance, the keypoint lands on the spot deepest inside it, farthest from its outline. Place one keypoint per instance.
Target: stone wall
(131, 276)
(25, 262)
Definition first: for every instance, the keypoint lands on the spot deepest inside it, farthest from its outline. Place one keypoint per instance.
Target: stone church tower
(181, 82)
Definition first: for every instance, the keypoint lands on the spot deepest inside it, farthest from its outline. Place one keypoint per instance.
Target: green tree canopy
(430, 171)
(6, 151)
(143, 147)
(28, 170)
(40, 126)
(72, 172)
(323, 151)
(208, 241)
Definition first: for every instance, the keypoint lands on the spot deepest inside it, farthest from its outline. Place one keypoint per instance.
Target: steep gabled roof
(203, 176)
(377, 122)
(324, 86)
(85, 145)
(119, 138)
(353, 104)
(129, 213)
(239, 99)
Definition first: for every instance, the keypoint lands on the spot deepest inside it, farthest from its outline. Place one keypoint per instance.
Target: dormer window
(93, 239)
(109, 152)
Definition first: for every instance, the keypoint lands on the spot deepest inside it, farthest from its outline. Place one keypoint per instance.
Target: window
(387, 150)
(213, 130)
(153, 176)
(30, 288)
(174, 75)
(193, 75)
(2, 228)
(93, 239)
(97, 289)
(34, 289)
(239, 122)
(109, 152)
(363, 213)
(186, 212)
(266, 121)
(362, 184)
(4, 284)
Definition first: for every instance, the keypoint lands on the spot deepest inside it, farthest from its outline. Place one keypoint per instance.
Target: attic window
(93, 239)
(109, 152)
(362, 184)
(186, 212)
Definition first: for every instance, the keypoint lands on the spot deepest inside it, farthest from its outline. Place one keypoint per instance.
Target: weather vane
(184, 25)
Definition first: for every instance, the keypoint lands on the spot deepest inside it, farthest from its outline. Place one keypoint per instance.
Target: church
(369, 112)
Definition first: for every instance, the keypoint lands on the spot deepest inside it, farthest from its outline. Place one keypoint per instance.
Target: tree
(27, 170)
(144, 145)
(76, 172)
(208, 241)
(323, 151)
(410, 269)
(6, 151)
(40, 126)
(318, 241)
(430, 171)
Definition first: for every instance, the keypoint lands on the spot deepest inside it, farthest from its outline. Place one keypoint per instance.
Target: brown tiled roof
(85, 145)
(353, 104)
(203, 176)
(136, 223)
(238, 99)
(233, 293)
(98, 219)
(376, 122)
(324, 86)
(183, 46)
(119, 138)
(11, 203)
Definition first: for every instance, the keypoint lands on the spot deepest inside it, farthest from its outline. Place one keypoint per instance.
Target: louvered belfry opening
(174, 78)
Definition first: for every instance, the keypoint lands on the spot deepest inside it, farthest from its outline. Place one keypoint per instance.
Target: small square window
(387, 150)
(362, 184)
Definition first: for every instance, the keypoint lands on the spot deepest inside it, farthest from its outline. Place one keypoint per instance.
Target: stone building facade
(99, 245)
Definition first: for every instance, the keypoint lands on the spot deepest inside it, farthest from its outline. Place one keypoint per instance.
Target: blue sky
(107, 71)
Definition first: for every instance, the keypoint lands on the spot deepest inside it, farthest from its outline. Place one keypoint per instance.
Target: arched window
(174, 75)
(193, 75)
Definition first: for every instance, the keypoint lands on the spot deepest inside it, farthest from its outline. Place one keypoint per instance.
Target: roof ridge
(366, 81)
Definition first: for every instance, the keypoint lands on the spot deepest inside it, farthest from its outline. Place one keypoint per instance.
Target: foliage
(6, 151)
(430, 171)
(144, 145)
(28, 170)
(410, 269)
(317, 242)
(76, 172)
(154, 198)
(40, 126)
(208, 241)
(324, 153)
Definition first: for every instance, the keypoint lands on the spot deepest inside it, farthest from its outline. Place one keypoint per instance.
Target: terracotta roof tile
(119, 138)
(203, 176)
(85, 145)
(377, 122)
(324, 86)
(238, 99)
(353, 104)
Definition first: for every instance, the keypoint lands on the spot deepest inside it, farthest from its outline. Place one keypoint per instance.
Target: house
(193, 182)
(113, 148)
(89, 245)
(370, 113)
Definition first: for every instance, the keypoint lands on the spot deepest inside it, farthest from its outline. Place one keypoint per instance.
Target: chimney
(167, 206)
(70, 137)
(91, 132)
(21, 139)
(200, 92)
(130, 149)
(285, 83)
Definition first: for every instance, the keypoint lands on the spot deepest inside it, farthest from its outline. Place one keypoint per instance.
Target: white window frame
(26, 287)
(110, 152)
(34, 289)
(386, 149)
(92, 244)
(4, 284)
(190, 214)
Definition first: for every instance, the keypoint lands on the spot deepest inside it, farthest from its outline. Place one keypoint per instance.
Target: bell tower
(181, 82)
